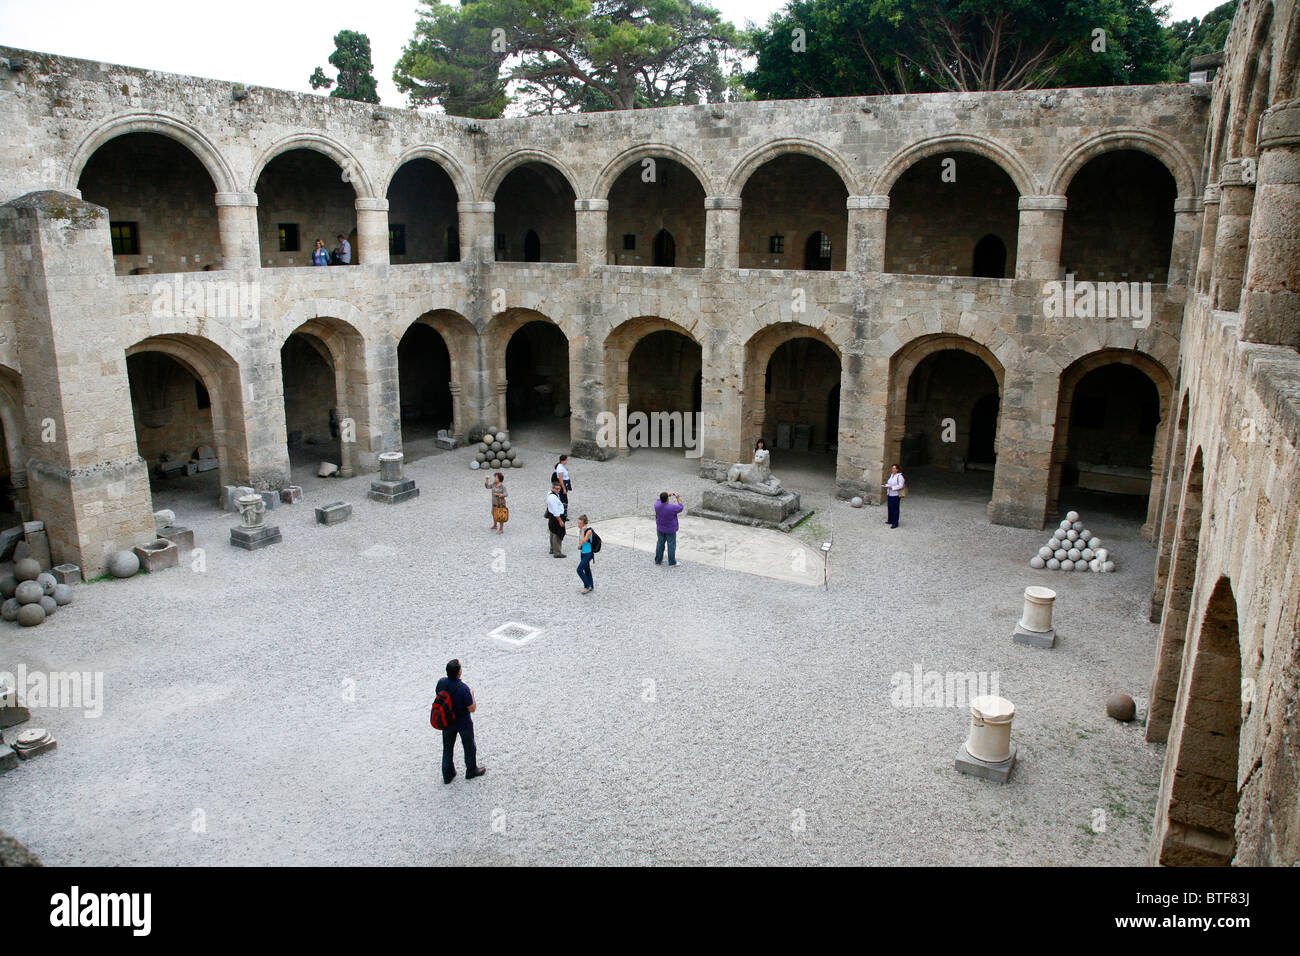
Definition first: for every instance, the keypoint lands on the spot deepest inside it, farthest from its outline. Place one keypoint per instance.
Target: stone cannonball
(27, 569)
(1072, 536)
(501, 436)
(1121, 707)
(62, 594)
(475, 466)
(9, 610)
(1037, 563)
(855, 502)
(29, 592)
(1102, 553)
(1077, 526)
(29, 615)
(517, 463)
(489, 438)
(1060, 554)
(1094, 565)
(496, 462)
(48, 604)
(511, 454)
(1065, 525)
(1094, 543)
(123, 564)
(1074, 554)
(496, 446)
(1071, 517)
(480, 456)
(1108, 566)
(1085, 534)
(8, 585)
(46, 581)
(1046, 553)
(505, 446)
(1067, 565)
(1053, 565)
(1088, 554)
(1081, 565)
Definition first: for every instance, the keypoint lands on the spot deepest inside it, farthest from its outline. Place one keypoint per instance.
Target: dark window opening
(532, 247)
(776, 245)
(453, 244)
(288, 237)
(629, 241)
(990, 259)
(817, 253)
(396, 239)
(126, 238)
(665, 249)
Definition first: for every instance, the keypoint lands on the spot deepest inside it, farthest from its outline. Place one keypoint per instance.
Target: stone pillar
(477, 224)
(1271, 306)
(1025, 433)
(1038, 238)
(722, 232)
(372, 232)
(860, 458)
(868, 216)
(237, 225)
(1235, 199)
(720, 396)
(86, 479)
(592, 217)
(1209, 227)
(1182, 255)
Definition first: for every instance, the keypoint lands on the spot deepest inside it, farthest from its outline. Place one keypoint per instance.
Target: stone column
(86, 479)
(864, 381)
(237, 226)
(722, 232)
(372, 232)
(1271, 306)
(1235, 199)
(1024, 466)
(720, 394)
(477, 224)
(1182, 255)
(1209, 226)
(592, 217)
(1038, 238)
(868, 216)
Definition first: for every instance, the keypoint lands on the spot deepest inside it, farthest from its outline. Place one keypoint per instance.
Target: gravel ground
(272, 708)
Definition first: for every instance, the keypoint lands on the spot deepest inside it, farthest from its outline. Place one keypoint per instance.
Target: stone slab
(253, 539)
(1044, 639)
(998, 772)
(27, 753)
(272, 499)
(13, 714)
(772, 509)
(392, 492)
(333, 513)
(67, 574)
(8, 539)
(158, 559)
(8, 758)
(183, 538)
(38, 547)
(207, 464)
(291, 494)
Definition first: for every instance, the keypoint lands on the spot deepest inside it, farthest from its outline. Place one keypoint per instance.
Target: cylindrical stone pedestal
(251, 508)
(1035, 626)
(1271, 307)
(390, 465)
(990, 729)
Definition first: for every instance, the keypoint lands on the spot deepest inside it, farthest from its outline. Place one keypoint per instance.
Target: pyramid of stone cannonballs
(494, 452)
(1073, 548)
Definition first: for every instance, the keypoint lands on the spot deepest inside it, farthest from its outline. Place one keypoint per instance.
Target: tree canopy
(351, 57)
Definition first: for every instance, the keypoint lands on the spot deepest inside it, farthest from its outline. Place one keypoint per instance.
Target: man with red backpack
(453, 702)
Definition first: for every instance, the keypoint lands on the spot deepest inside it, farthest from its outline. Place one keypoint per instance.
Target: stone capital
(721, 202)
(1186, 204)
(1231, 175)
(480, 207)
(591, 205)
(1042, 203)
(236, 199)
(370, 204)
(868, 202)
(1279, 127)
(1211, 196)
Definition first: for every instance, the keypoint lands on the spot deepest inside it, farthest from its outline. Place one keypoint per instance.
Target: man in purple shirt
(666, 524)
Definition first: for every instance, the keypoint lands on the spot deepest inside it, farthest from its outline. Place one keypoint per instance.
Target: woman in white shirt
(893, 489)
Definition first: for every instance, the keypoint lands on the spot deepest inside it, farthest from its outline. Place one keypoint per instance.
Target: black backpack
(595, 542)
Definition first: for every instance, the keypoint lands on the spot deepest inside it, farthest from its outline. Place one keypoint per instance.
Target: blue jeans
(669, 539)
(892, 501)
(584, 570)
(449, 750)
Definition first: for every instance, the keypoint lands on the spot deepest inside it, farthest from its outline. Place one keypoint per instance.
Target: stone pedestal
(333, 513)
(13, 714)
(253, 534)
(1035, 626)
(777, 512)
(66, 573)
(157, 555)
(183, 538)
(391, 486)
(988, 752)
(33, 743)
(291, 494)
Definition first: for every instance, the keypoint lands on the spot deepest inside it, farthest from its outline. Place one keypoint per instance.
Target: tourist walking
(666, 527)
(585, 555)
(555, 520)
(893, 492)
(320, 256)
(500, 513)
(342, 254)
(561, 474)
(462, 704)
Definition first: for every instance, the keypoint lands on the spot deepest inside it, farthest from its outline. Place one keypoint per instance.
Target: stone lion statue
(754, 477)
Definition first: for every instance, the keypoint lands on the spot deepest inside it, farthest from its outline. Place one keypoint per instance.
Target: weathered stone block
(291, 494)
(66, 573)
(272, 499)
(158, 555)
(998, 772)
(333, 513)
(392, 492)
(183, 538)
(253, 539)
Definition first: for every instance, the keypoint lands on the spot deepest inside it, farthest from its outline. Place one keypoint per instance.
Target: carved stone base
(252, 539)
(777, 512)
(1044, 639)
(391, 492)
(998, 772)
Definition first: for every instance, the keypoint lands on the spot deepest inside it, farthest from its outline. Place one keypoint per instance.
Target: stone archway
(528, 359)
(791, 371)
(322, 365)
(654, 365)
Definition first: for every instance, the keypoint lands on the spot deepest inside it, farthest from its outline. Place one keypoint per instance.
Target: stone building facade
(861, 276)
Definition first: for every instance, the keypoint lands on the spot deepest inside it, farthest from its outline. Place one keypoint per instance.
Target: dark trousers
(557, 542)
(892, 502)
(584, 571)
(449, 750)
(669, 539)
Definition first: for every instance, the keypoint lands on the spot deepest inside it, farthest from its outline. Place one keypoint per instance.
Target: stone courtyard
(677, 715)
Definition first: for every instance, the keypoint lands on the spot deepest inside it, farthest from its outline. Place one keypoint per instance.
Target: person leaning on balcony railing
(320, 256)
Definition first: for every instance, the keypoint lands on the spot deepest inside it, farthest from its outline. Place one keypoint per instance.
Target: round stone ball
(1065, 525)
(517, 463)
(29, 592)
(1121, 707)
(1094, 543)
(1072, 535)
(480, 456)
(29, 615)
(27, 569)
(1088, 554)
(1094, 565)
(123, 564)
(1077, 525)
(489, 438)
(496, 446)
(475, 466)
(1072, 516)
(496, 462)
(8, 585)
(1067, 565)
(62, 594)
(48, 604)
(505, 446)
(9, 610)
(1074, 554)
(501, 436)
(1046, 553)
(1037, 563)
(511, 454)
(1102, 553)
(1060, 554)
(1081, 565)
(855, 502)
(46, 581)
(1108, 566)
(1053, 565)
(1085, 534)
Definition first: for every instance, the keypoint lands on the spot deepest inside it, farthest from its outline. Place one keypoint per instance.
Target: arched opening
(941, 207)
(160, 200)
(791, 372)
(1177, 605)
(817, 253)
(982, 450)
(1197, 824)
(424, 384)
(537, 382)
(535, 200)
(787, 197)
(1110, 418)
(13, 461)
(663, 372)
(1119, 219)
(990, 258)
(658, 197)
(665, 249)
(303, 195)
(422, 216)
(311, 412)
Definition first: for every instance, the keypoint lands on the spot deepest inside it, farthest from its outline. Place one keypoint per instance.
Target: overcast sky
(270, 43)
